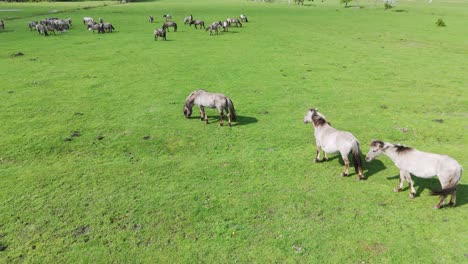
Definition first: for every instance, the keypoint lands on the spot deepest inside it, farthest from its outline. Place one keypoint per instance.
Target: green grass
(203, 193)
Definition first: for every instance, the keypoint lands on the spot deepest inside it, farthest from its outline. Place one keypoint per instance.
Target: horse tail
(453, 186)
(112, 27)
(356, 150)
(232, 111)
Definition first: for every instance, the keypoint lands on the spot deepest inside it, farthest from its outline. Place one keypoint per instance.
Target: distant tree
(345, 2)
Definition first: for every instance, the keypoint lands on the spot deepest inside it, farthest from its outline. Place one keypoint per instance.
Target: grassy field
(142, 184)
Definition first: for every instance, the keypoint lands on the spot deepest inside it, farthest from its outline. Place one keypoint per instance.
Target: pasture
(99, 165)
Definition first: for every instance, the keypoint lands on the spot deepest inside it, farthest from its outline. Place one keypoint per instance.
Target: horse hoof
(397, 190)
(220, 124)
(412, 195)
(437, 206)
(452, 204)
(316, 160)
(344, 174)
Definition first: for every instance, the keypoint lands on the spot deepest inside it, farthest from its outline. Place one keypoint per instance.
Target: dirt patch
(376, 248)
(80, 231)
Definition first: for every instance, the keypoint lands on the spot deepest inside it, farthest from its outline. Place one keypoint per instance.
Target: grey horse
(331, 140)
(197, 22)
(204, 99)
(420, 164)
(159, 33)
(168, 24)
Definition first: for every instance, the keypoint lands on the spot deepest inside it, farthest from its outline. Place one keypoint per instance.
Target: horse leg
(400, 184)
(346, 162)
(206, 116)
(411, 185)
(325, 158)
(440, 204)
(229, 118)
(453, 198)
(317, 155)
(202, 113)
(222, 118)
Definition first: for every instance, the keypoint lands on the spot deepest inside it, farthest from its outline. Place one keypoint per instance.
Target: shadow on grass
(433, 184)
(241, 120)
(369, 169)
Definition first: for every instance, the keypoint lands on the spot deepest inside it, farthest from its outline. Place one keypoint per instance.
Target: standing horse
(234, 21)
(2, 25)
(243, 18)
(197, 22)
(330, 140)
(188, 19)
(204, 99)
(420, 164)
(86, 20)
(159, 33)
(167, 17)
(168, 24)
(151, 19)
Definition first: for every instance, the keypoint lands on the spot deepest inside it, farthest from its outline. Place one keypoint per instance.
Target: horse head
(187, 110)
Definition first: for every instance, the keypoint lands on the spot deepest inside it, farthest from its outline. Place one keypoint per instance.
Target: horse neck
(389, 151)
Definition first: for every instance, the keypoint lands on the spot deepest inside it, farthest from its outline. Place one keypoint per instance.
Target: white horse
(420, 164)
(204, 99)
(86, 20)
(330, 140)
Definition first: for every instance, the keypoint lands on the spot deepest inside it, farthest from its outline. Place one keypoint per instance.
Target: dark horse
(200, 23)
(204, 99)
(159, 33)
(168, 24)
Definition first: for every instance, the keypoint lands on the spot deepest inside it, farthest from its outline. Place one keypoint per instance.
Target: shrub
(440, 22)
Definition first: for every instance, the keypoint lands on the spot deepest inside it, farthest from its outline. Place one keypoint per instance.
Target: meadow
(99, 165)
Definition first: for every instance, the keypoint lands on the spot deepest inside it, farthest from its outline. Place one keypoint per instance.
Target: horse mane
(400, 149)
(319, 119)
(191, 96)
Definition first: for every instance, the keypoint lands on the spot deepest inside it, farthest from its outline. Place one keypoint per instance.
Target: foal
(420, 164)
(330, 140)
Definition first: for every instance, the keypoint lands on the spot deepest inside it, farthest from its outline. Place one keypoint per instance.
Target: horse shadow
(369, 169)
(245, 120)
(433, 184)
(240, 121)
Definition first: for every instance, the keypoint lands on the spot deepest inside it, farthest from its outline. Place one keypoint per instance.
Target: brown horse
(196, 23)
(204, 99)
(168, 24)
(159, 33)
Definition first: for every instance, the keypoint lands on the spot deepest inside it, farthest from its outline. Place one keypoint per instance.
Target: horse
(32, 25)
(108, 27)
(167, 16)
(225, 25)
(422, 165)
(86, 20)
(243, 18)
(331, 140)
(101, 20)
(196, 23)
(98, 27)
(159, 33)
(204, 99)
(188, 19)
(213, 28)
(151, 19)
(69, 21)
(41, 29)
(2, 25)
(234, 21)
(168, 24)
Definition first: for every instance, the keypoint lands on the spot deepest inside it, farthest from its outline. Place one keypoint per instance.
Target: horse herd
(215, 27)
(330, 140)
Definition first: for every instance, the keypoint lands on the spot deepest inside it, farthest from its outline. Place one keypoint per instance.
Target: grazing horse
(196, 23)
(330, 140)
(41, 29)
(204, 99)
(243, 18)
(188, 19)
(151, 19)
(168, 24)
(32, 25)
(420, 164)
(2, 25)
(159, 33)
(108, 27)
(225, 25)
(234, 21)
(86, 20)
(213, 28)
(98, 27)
(167, 16)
